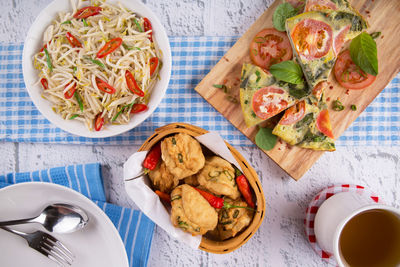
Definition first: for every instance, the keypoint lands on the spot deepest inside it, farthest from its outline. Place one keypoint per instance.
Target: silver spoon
(57, 218)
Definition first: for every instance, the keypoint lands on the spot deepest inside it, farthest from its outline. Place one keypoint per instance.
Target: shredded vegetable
(99, 84)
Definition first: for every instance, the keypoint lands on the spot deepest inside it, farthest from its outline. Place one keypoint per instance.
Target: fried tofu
(191, 212)
(218, 176)
(182, 155)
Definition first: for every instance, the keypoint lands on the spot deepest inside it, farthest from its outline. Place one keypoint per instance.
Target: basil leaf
(265, 139)
(363, 52)
(287, 71)
(281, 14)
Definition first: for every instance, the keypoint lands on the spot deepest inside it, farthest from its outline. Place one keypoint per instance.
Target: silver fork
(47, 245)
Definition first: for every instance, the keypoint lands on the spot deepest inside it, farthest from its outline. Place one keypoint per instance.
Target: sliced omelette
(307, 125)
(317, 37)
(343, 11)
(262, 96)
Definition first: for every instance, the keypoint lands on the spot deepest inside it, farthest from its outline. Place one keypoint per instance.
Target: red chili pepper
(153, 65)
(71, 91)
(147, 27)
(217, 202)
(86, 12)
(45, 46)
(44, 83)
(163, 196)
(98, 123)
(72, 40)
(105, 87)
(136, 108)
(109, 47)
(244, 188)
(132, 85)
(152, 158)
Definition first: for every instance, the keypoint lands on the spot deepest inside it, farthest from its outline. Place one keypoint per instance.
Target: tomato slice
(269, 47)
(86, 12)
(98, 122)
(268, 101)
(319, 89)
(349, 75)
(72, 40)
(104, 86)
(312, 38)
(294, 113)
(71, 91)
(136, 108)
(147, 27)
(153, 65)
(324, 123)
(340, 39)
(44, 83)
(319, 5)
(109, 47)
(132, 85)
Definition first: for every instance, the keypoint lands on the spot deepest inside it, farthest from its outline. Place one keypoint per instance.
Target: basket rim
(229, 245)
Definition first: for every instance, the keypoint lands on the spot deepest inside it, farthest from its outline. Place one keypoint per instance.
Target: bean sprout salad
(98, 64)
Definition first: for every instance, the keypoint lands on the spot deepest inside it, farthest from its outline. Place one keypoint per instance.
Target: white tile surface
(280, 241)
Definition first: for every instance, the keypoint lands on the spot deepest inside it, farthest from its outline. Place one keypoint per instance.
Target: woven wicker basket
(237, 241)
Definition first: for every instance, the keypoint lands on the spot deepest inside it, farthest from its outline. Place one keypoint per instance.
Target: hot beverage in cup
(371, 238)
(358, 231)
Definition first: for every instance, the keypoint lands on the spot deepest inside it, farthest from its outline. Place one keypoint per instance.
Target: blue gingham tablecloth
(193, 58)
(135, 229)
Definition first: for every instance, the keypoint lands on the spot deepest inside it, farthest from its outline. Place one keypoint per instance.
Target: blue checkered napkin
(135, 228)
(193, 57)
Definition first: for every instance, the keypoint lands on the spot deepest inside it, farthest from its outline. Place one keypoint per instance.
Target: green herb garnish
(232, 99)
(173, 141)
(95, 61)
(85, 23)
(265, 139)
(122, 110)
(375, 35)
(363, 52)
(67, 22)
(130, 48)
(78, 98)
(281, 14)
(180, 157)
(287, 71)
(258, 76)
(235, 214)
(49, 64)
(176, 198)
(337, 105)
(138, 25)
(353, 107)
(73, 116)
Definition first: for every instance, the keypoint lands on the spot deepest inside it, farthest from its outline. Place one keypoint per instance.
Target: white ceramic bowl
(34, 42)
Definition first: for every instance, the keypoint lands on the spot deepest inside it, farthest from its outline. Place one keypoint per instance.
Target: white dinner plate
(98, 244)
(34, 42)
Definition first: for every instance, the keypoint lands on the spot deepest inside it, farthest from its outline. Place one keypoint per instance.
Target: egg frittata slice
(317, 37)
(307, 125)
(262, 96)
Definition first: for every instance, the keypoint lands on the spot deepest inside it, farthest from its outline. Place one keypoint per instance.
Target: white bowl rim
(33, 43)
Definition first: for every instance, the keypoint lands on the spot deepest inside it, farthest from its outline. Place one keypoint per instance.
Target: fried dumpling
(218, 176)
(191, 212)
(182, 155)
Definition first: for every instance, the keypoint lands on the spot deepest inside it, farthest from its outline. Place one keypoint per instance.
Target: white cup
(333, 215)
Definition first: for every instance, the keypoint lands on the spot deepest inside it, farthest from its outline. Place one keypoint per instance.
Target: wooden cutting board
(382, 15)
